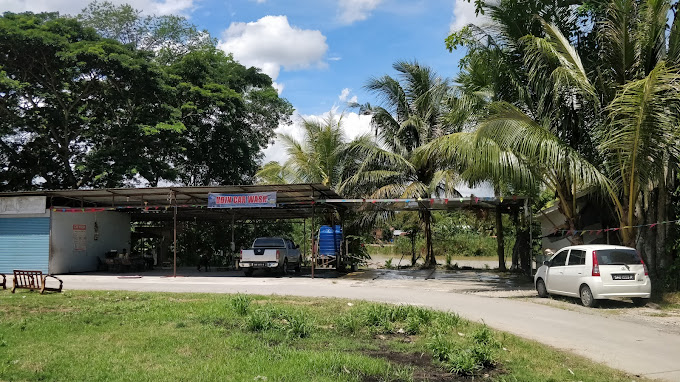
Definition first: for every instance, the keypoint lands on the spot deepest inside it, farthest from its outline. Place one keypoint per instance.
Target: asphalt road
(640, 350)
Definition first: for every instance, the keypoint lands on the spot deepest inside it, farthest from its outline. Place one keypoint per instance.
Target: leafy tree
(77, 110)
(230, 113)
(169, 36)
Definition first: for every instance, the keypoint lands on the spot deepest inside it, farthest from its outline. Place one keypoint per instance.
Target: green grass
(122, 336)
(670, 301)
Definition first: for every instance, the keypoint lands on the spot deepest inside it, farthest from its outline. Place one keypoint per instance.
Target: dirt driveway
(640, 341)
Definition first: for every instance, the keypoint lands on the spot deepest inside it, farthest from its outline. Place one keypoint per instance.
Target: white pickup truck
(271, 253)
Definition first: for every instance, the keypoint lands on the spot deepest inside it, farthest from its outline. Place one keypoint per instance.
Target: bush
(463, 362)
(448, 320)
(440, 347)
(348, 323)
(484, 336)
(298, 326)
(241, 304)
(259, 321)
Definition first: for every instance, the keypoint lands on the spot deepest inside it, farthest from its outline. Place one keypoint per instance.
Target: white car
(595, 272)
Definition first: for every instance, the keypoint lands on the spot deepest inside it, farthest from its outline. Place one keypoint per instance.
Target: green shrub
(348, 323)
(484, 336)
(447, 320)
(259, 321)
(241, 304)
(388, 264)
(298, 326)
(463, 362)
(440, 347)
(413, 325)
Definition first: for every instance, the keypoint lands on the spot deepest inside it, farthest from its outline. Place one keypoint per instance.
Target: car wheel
(541, 289)
(284, 267)
(587, 298)
(298, 266)
(639, 302)
(248, 271)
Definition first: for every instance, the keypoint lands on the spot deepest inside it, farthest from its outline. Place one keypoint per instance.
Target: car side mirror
(297, 246)
(546, 263)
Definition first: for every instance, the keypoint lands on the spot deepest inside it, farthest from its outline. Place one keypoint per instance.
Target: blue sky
(319, 53)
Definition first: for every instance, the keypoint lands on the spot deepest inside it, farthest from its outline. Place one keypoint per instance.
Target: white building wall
(548, 222)
(73, 247)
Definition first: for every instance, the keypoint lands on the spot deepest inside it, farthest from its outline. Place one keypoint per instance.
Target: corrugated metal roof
(156, 203)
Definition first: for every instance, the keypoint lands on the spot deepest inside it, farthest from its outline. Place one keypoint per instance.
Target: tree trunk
(515, 252)
(414, 258)
(430, 260)
(500, 240)
(522, 249)
(647, 244)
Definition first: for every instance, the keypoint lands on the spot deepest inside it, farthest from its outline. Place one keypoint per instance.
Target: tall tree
(410, 118)
(609, 121)
(317, 158)
(77, 110)
(168, 37)
(230, 113)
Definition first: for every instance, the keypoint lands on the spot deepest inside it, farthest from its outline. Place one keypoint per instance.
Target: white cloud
(356, 10)
(464, 14)
(278, 86)
(73, 7)
(271, 43)
(344, 94)
(353, 125)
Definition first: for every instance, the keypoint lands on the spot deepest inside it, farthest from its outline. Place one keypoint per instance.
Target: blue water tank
(330, 240)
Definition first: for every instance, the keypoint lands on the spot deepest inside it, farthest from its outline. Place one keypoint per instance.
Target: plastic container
(330, 240)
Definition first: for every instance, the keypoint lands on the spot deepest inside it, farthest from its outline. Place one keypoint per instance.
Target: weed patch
(162, 336)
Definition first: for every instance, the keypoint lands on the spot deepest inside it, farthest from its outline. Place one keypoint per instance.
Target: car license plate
(623, 277)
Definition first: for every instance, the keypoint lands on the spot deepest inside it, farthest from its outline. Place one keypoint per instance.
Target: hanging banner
(258, 199)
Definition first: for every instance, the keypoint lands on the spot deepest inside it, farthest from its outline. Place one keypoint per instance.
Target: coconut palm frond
(275, 173)
(673, 56)
(514, 131)
(416, 189)
(650, 35)
(389, 92)
(556, 56)
(643, 128)
(444, 183)
(389, 191)
(617, 39)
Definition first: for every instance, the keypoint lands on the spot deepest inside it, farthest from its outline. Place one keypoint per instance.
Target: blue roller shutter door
(24, 244)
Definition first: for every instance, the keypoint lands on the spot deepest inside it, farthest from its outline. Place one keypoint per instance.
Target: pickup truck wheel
(248, 271)
(284, 267)
(298, 266)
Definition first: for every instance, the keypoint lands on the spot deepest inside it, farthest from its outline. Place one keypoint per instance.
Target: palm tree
(564, 134)
(317, 158)
(410, 118)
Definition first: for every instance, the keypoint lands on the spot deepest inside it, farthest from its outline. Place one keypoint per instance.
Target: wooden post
(500, 243)
(174, 244)
(313, 239)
